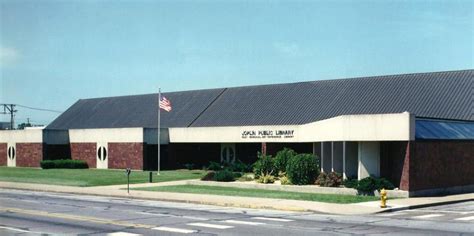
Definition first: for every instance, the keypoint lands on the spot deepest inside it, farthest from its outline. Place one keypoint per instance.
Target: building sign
(273, 134)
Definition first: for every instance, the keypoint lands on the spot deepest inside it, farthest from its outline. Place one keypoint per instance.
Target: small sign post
(128, 171)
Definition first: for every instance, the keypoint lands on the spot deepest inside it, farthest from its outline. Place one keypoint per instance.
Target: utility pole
(11, 110)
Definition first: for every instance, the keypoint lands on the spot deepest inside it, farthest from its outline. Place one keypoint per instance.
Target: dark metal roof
(443, 95)
(442, 129)
(439, 95)
(135, 111)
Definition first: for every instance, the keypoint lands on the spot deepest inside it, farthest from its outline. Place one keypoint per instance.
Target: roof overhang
(373, 127)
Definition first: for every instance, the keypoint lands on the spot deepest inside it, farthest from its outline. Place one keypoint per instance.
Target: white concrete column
(332, 156)
(369, 159)
(322, 157)
(344, 160)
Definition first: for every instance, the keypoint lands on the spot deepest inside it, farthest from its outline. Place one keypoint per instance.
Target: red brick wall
(441, 164)
(85, 152)
(405, 178)
(29, 154)
(125, 155)
(3, 154)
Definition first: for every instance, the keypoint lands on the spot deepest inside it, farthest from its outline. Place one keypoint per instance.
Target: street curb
(423, 205)
(238, 205)
(293, 209)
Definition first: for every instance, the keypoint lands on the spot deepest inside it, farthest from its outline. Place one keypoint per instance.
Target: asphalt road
(25, 213)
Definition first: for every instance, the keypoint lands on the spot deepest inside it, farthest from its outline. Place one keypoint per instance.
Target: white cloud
(8, 55)
(290, 49)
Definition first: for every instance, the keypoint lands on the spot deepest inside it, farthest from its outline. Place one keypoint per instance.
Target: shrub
(321, 179)
(266, 179)
(224, 176)
(281, 159)
(285, 181)
(214, 166)
(64, 164)
(367, 185)
(370, 184)
(265, 165)
(237, 166)
(302, 169)
(47, 164)
(209, 176)
(237, 175)
(246, 177)
(334, 180)
(383, 183)
(350, 183)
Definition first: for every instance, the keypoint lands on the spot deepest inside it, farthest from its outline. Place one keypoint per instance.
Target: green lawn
(229, 191)
(90, 177)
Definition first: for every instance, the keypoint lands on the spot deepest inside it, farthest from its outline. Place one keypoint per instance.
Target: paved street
(24, 213)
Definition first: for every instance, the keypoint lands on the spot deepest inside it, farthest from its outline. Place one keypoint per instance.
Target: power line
(10, 110)
(39, 109)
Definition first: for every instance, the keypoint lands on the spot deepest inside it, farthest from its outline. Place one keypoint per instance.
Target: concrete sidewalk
(244, 202)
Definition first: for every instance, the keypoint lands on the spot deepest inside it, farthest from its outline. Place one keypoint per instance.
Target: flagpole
(159, 141)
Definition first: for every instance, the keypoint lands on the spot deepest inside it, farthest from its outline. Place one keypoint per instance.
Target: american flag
(165, 104)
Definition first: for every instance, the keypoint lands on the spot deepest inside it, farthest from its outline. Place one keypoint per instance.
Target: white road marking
(272, 219)
(211, 226)
(243, 222)
(175, 230)
(194, 218)
(15, 229)
(169, 215)
(465, 218)
(122, 234)
(427, 216)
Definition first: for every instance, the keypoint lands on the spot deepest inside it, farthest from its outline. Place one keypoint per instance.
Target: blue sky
(53, 53)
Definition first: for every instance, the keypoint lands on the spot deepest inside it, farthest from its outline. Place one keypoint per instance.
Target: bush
(224, 176)
(383, 183)
(285, 181)
(370, 184)
(321, 179)
(237, 175)
(302, 169)
(266, 179)
(64, 164)
(47, 164)
(367, 185)
(246, 177)
(350, 183)
(265, 165)
(238, 166)
(334, 180)
(281, 159)
(214, 166)
(209, 176)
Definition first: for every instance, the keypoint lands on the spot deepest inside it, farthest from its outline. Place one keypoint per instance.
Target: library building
(416, 130)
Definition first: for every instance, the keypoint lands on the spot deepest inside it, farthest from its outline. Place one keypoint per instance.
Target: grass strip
(90, 177)
(261, 193)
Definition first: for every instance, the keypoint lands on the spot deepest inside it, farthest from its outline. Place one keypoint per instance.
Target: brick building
(417, 130)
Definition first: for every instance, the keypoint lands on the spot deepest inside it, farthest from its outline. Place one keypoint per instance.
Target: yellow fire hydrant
(383, 198)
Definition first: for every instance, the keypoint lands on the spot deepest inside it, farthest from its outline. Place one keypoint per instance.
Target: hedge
(64, 164)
